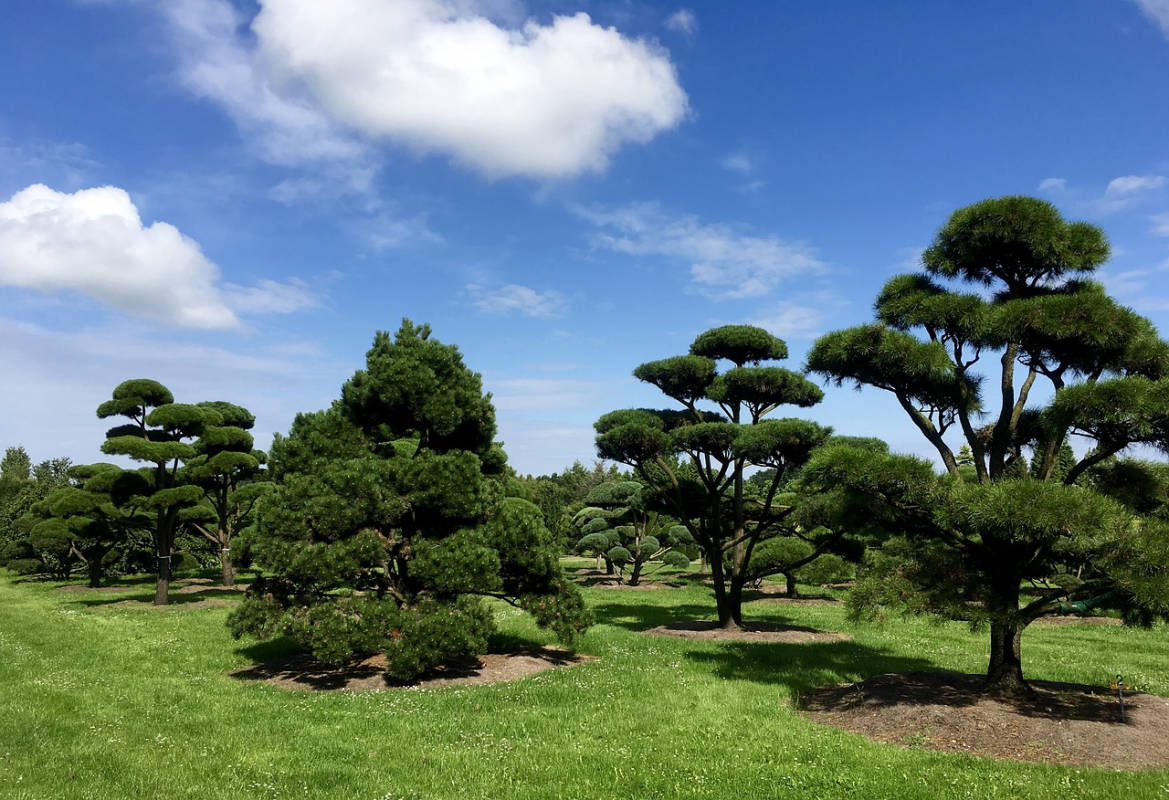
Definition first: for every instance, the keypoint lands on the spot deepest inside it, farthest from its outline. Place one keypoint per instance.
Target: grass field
(104, 701)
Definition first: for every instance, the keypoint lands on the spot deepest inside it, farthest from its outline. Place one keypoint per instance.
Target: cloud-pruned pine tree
(1004, 303)
(696, 459)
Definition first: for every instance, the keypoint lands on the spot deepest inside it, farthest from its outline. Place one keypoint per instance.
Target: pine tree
(387, 526)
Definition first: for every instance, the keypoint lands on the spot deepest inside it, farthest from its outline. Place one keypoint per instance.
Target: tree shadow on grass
(806, 665)
(638, 617)
(1050, 699)
(175, 598)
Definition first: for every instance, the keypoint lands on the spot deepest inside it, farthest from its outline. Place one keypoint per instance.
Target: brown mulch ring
(1065, 723)
(1072, 619)
(200, 588)
(306, 673)
(208, 602)
(749, 632)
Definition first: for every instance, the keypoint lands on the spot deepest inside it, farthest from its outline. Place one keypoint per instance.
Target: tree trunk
(162, 585)
(792, 591)
(608, 566)
(721, 599)
(635, 573)
(1004, 676)
(94, 567)
(734, 605)
(225, 563)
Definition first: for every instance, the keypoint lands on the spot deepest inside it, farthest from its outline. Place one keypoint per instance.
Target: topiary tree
(229, 471)
(89, 519)
(620, 528)
(971, 541)
(695, 459)
(597, 536)
(386, 527)
(155, 437)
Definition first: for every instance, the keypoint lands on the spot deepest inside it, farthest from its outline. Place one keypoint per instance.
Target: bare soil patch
(749, 632)
(303, 672)
(207, 602)
(1064, 723)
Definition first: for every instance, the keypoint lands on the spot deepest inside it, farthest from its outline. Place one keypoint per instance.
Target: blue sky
(233, 196)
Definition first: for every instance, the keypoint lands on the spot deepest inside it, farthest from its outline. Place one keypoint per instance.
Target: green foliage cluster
(388, 521)
(970, 539)
(617, 527)
(695, 461)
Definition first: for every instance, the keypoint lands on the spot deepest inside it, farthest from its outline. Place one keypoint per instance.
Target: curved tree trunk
(792, 591)
(635, 573)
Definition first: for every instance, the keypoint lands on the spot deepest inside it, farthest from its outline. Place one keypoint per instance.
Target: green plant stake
(1118, 685)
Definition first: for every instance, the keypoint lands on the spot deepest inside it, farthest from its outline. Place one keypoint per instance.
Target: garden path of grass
(100, 700)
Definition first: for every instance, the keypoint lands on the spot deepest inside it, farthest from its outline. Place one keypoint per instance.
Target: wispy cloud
(1160, 224)
(725, 262)
(738, 162)
(683, 22)
(514, 298)
(1120, 193)
(1158, 12)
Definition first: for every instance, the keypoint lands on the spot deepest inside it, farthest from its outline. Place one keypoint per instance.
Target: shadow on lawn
(176, 598)
(804, 666)
(638, 617)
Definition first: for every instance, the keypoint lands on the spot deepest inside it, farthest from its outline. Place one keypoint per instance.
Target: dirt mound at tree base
(748, 632)
(303, 672)
(1065, 723)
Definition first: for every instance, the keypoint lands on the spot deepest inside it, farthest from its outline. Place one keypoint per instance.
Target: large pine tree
(1003, 305)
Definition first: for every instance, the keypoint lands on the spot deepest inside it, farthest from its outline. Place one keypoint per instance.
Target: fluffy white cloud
(1157, 11)
(516, 298)
(313, 82)
(286, 126)
(682, 21)
(94, 242)
(724, 263)
(1053, 184)
(544, 100)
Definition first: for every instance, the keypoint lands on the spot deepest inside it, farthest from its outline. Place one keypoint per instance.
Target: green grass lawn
(104, 701)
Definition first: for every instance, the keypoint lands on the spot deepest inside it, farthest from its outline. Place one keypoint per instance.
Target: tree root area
(1063, 723)
(303, 672)
(747, 632)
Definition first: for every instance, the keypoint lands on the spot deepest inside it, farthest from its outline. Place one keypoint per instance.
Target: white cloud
(314, 81)
(516, 298)
(682, 21)
(1160, 224)
(1053, 184)
(724, 262)
(286, 127)
(791, 320)
(1157, 11)
(1129, 185)
(738, 162)
(94, 242)
(269, 297)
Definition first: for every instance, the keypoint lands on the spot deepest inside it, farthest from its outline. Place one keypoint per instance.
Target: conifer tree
(228, 470)
(155, 437)
(387, 526)
(972, 541)
(695, 459)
